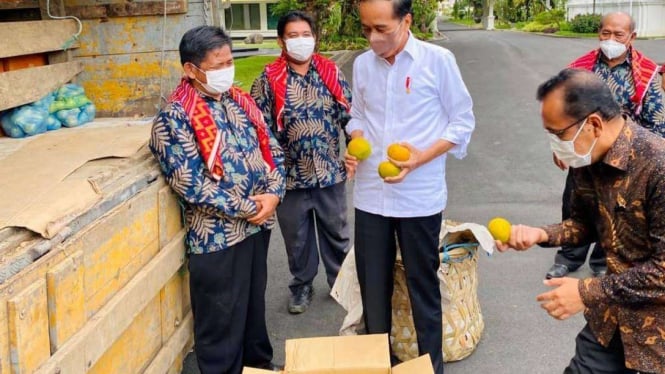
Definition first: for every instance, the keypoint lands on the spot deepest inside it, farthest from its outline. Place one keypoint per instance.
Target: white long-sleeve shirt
(419, 99)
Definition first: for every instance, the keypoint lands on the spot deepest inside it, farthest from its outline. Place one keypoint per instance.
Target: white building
(244, 17)
(649, 15)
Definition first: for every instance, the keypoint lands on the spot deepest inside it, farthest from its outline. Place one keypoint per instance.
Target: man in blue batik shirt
(220, 158)
(305, 100)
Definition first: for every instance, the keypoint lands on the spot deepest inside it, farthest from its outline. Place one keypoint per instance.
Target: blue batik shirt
(621, 83)
(313, 123)
(216, 212)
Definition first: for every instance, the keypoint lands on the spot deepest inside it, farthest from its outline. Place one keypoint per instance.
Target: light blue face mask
(565, 150)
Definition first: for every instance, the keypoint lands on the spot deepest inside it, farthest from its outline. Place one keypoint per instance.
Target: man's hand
(564, 301)
(560, 164)
(522, 238)
(414, 161)
(350, 162)
(265, 204)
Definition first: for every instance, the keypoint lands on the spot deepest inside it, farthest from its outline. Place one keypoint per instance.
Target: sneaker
(299, 301)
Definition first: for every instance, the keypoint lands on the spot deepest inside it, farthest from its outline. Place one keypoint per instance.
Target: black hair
(293, 16)
(197, 42)
(583, 93)
(400, 7)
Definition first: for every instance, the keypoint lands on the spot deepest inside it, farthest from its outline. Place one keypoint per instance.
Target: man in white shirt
(410, 92)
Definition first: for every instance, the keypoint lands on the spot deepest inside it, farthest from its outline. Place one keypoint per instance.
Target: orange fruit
(398, 152)
(359, 148)
(499, 227)
(388, 169)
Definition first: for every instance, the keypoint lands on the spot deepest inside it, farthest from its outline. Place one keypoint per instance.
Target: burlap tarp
(35, 190)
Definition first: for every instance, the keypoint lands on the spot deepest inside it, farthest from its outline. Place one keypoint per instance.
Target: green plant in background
(424, 13)
(284, 6)
(554, 16)
(585, 23)
(538, 27)
(339, 42)
(564, 26)
(338, 22)
(332, 23)
(502, 25)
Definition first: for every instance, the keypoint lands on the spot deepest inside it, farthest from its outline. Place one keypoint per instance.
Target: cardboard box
(353, 354)
(359, 354)
(247, 370)
(420, 365)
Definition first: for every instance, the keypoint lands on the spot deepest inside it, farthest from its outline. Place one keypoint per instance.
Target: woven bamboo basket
(462, 319)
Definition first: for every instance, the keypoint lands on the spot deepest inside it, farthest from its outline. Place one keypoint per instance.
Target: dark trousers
(296, 215)
(375, 249)
(592, 358)
(228, 302)
(574, 257)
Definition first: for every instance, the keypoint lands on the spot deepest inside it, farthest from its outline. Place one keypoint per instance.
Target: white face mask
(219, 81)
(565, 150)
(612, 49)
(301, 48)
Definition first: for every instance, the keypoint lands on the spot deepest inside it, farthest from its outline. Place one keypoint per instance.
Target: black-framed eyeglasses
(562, 131)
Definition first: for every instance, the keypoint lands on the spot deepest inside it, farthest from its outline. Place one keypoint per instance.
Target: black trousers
(574, 257)
(299, 228)
(227, 291)
(375, 249)
(592, 358)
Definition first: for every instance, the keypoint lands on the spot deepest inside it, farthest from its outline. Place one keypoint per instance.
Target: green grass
(249, 68)
(576, 34)
(466, 22)
(267, 44)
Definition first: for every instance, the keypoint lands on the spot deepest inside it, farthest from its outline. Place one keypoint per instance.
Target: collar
(411, 46)
(310, 68)
(618, 155)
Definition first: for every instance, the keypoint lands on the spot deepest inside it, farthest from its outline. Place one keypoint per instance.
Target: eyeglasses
(562, 131)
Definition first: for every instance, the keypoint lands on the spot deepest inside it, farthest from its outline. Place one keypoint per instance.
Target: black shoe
(557, 271)
(299, 301)
(599, 272)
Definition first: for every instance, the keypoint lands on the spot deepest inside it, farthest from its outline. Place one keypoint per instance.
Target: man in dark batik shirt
(305, 100)
(632, 78)
(618, 199)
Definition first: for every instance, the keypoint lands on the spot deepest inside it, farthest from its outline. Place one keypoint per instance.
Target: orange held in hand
(388, 169)
(398, 152)
(500, 229)
(359, 148)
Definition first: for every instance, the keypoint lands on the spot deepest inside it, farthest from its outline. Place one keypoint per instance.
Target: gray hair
(632, 21)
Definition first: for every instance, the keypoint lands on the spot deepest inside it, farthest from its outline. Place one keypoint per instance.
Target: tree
(337, 19)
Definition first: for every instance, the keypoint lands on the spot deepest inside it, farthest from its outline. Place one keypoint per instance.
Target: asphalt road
(508, 172)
